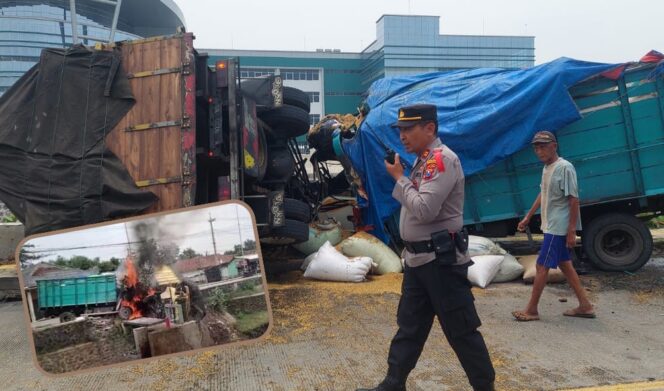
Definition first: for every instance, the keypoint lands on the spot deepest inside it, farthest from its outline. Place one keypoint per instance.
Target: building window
(314, 96)
(300, 74)
(249, 73)
(314, 119)
(343, 71)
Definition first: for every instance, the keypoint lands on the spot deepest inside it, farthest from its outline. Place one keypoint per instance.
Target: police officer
(435, 274)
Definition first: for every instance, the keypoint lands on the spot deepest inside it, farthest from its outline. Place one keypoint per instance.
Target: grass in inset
(252, 321)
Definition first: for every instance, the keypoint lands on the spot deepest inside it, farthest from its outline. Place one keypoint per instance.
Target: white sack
(509, 270)
(478, 245)
(484, 269)
(329, 264)
(308, 260)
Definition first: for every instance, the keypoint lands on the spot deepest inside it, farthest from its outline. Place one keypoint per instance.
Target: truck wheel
(618, 242)
(297, 210)
(287, 121)
(292, 232)
(124, 313)
(297, 98)
(67, 317)
(280, 164)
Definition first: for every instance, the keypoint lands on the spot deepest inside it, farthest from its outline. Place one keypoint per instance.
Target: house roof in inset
(202, 262)
(47, 271)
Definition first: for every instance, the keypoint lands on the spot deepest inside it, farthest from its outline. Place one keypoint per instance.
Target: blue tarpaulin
(484, 115)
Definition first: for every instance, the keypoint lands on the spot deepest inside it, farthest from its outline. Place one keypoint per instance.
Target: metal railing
(74, 20)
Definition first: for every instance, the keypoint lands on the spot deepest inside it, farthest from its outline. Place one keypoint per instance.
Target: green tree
(61, 261)
(82, 262)
(249, 245)
(27, 254)
(218, 299)
(10, 218)
(107, 266)
(188, 253)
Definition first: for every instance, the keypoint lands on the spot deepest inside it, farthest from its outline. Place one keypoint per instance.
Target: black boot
(489, 387)
(394, 381)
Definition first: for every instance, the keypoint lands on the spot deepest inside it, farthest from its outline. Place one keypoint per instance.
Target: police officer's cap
(412, 115)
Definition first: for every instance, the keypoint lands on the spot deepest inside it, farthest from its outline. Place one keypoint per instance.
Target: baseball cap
(544, 137)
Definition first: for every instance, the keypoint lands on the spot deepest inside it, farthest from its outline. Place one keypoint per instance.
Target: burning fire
(134, 292)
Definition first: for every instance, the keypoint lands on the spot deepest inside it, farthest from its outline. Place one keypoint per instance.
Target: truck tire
(297, 210)
(280, 164)
(292, 232)
(297, 98)
(618, 242)
(286, 121)
(67, 317)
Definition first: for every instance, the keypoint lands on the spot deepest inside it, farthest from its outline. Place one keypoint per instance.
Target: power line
(129, 243)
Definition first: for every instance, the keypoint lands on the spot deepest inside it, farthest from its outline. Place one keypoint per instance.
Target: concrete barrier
(10, 235)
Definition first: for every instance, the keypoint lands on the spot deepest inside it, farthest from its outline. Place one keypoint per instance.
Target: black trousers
(443, 291)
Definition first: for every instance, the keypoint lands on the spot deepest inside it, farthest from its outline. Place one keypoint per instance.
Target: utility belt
(443, 243)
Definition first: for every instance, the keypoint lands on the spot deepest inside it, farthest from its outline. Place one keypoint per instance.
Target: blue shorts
(554, 250)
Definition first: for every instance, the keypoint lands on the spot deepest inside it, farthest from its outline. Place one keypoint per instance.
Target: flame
(135, 311)
(131, 282)
(131, 276)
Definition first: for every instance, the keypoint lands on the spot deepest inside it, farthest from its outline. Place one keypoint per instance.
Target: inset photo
(144, 287)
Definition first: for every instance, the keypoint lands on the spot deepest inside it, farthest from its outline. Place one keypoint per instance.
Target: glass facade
(405, 44)
(28, 26)
(412, 44)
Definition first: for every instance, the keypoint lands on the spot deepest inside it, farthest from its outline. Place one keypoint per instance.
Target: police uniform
(432, 201)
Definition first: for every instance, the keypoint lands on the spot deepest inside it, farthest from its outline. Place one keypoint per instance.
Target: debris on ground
(644, 285)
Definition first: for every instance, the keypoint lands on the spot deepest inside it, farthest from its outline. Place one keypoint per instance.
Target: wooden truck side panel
(155, 140)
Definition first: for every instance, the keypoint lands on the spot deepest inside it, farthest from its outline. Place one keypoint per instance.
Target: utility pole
(129, 252)
(214, 243)
(239, 230)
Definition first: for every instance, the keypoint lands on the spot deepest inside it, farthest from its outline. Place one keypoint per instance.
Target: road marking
(642, 386)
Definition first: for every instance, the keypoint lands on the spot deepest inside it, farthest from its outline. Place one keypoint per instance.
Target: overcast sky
(189, 229)
(593, 30)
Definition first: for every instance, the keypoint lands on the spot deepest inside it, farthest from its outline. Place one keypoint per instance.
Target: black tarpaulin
(55, 169)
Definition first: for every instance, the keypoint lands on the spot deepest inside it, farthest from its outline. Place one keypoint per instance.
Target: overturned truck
(609, 119)
(92, 134)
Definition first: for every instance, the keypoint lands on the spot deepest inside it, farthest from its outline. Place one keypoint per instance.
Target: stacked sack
(350, 259)
(491, 263)
(494, 264)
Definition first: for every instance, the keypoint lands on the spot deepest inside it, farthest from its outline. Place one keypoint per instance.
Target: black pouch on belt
(444, 247)
(461, 240)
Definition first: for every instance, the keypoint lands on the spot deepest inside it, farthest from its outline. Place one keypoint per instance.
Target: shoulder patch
(430, 168)
(438, 159)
